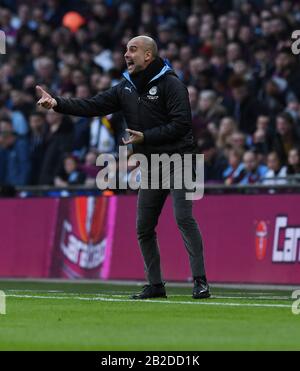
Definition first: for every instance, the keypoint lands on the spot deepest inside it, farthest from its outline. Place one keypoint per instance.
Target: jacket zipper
(139, 103)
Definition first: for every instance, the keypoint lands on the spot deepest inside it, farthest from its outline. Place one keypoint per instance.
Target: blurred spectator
(89, 167)
(37, 137)
(293, 108)
(18, 108)
(294, 162)
(192, 37)
(207, 110)
(214, 161)
(193, 98)
(227, 127)
(106, 132)
(238, 140)
(273, 96)
(287, 69)
(235, 171)
(45, 72)
(210, 108)
(254, 171)
(15, 158)
(286, 136)
(262, 137)
(276, 173)
(70, 174)
(81, 139)
(125, 20)
(245, 107)
(58, 141)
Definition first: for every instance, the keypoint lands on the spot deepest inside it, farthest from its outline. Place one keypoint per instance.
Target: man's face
(205, 103)
(233, 52)
(53, 118)
(36, 122)
(282, 61)
(137, 56)
(234, 159)
(250, 161)
(273, 162)
(239, 93)
(262, 122)
(7, 136)
(294, 157)
(70, 165)
(238, 140)
(209, 154)
(226, 126)
(90, 158)
(282, 126)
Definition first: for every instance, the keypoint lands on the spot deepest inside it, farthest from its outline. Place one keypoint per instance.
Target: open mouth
(130, 64)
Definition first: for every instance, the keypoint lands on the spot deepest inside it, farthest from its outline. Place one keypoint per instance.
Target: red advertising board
(247, 238)
(83, 237)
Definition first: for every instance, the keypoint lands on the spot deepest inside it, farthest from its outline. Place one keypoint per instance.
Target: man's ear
(148, 55)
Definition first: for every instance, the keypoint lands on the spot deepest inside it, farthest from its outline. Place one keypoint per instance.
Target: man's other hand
(46, 100)
(135, 137)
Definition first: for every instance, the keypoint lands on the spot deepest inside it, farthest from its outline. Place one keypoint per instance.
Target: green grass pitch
(100, 316)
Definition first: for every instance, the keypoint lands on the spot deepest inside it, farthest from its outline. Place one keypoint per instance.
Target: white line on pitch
(118, 295)
(219, 297)
(151, 301)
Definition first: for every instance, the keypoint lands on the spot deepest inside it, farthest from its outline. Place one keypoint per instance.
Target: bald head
(141, 51)
(147, 43)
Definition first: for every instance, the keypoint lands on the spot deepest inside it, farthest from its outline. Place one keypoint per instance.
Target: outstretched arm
(100, 105)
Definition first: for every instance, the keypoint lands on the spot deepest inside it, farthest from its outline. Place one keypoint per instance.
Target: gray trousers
(150, 204)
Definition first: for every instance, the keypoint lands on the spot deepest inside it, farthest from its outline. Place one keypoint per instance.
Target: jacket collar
(162, 72)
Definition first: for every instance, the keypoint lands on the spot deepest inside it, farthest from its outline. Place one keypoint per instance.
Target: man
(277, 172)
(214, 161)
(58, 141)
(156, 107)
(244, 107)
(15, 156)
(38, 128)
(253, 171)
(286, 136)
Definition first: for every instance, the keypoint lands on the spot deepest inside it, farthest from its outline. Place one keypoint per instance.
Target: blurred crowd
(234, 56)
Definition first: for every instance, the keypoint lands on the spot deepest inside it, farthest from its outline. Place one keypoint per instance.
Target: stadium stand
(235, 58)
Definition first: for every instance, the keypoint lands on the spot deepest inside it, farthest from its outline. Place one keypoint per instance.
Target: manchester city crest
(153, 90)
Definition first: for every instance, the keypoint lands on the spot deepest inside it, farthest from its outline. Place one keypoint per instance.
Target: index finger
(40, 90)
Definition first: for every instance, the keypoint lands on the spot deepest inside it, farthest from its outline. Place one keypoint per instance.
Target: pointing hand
(46, 100)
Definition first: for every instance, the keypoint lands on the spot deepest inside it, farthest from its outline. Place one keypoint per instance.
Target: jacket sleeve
(179, 119)
(101, 104)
